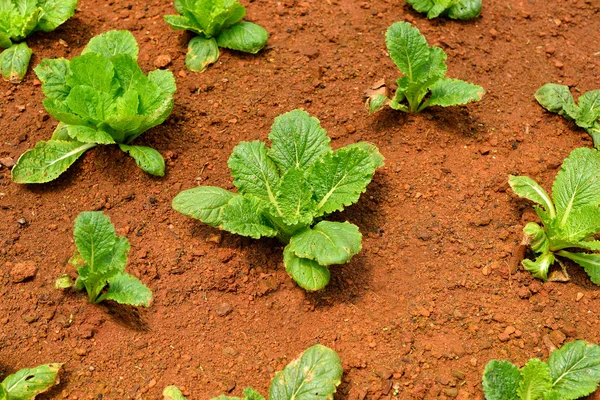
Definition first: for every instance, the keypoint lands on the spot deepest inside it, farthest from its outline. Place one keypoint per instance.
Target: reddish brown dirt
(416, 315)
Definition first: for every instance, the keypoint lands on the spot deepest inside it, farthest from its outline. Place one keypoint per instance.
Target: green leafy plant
(570, 217)
(21, 18)
(571, 372)
(423, 84)
(100, 260)
(100, 97)
(286, 190)
(558, 99)
(218, 23)
(455, 9)
(27, 383)
(314, 375)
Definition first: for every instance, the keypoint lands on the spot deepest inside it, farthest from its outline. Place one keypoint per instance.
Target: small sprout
(64, 282)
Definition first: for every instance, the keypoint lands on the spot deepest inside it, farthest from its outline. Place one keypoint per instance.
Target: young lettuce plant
(558, 99)
(571, 372)
(315, 374)
(218, 23)
(100, 259)
(27, 383)
(100, 97)
(455, 9)
(570, 218)
(21, 18)
(285, 192)
(423, 84)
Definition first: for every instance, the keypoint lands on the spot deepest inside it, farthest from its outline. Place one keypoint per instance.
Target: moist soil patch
(436, 291)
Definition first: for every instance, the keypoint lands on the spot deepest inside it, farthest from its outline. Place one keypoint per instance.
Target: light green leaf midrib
(326, 197)
(297, 392)
(73, 152)
(568, 371)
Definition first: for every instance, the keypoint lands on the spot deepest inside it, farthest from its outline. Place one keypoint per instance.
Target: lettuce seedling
(558, 99)
(571, 372)
(455, 9)
(27, 383)
(218, 23)
(100, 97)
(315, 374)
(570, 218)
(100, 259)
(21, 18)
(423, 84)
(285, 190)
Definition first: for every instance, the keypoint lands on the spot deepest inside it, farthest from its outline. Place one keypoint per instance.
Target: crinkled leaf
(180, 22)
(112, 43)
(589, 262)
(165, 80)
(253, 171)
(377, 159)
(297, 141)
(92, 70)
(14, 62)
(575, 369)
(242, 215)
(409, 50)
(589, 104)
(295, 198)
(536, 380)
(85, 134)
(127, 289)
(201, 53)
(552, 395)
(577, 184)
(540, 267)
(313, 376)
(376, 103)
(60, 111)
(27, 383)
(47, 160)
(243, 36)
(465, 9)
(526, 187)
(5, 41)
(91, 105)
(501, 380)
(148, 159)
(64, 282)
(554, 97)
(224, 13)
(55, 13)
(594, 132)
(451, 92)
(173, 393)
(582, 223)
(205, 203)
(249, 394)
(53, 75)
(327, 242)
(31, 20)
(308, 274)
(537, 237)
(339, 178)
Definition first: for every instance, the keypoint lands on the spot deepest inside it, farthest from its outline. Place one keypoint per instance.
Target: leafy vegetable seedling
(218, 23)
(21, 18)
(315, 374)
(100, 259)
(423, 84)
(285, 192)
(27, 383)
(100, 97)
(570, 217)
(572, 372)
(558, 99)
(455, 9)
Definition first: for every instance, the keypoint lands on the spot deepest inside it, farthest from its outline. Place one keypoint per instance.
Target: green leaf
(86, 134)
(47, 160)
(181, 23)
(165, 80)
(451, 92)
(29, 382)
(253, 171)
(298, 141)
(537, 237)
(308, 274)
(501, 380)
(575, 369)
(554, 97)
(314, 375)
(526, 187)
(205, 203)
(3, 394)
(540, 267)
(112, 43)
(92, 70)
(201, 53)
(90, 104)
(5, 41)
(53, 75)
(409, 50)
(173, 393)
(31, 20)
(327, 242)
(582, 223)
(223, 14)
(589, 262)
(577, 184)
(295, 198)
(60, 111)
(243, 36)
(465, 9)
(14, 62)
(376, 103)
(552, 395)
(589, 104)
(376, 158)
(536, 380)
(148, 159)
(127, 289)
(242, 215)
(64, 282)
(55, 13)
(339, 178)
(95, 237)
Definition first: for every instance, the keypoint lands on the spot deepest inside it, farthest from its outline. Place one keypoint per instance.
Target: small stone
(81, 351)
(486, 270)
(558, 64)
(230, 351)
(30, 317)
(451, 392)
(579, 296)
(8, 162)
(510, 330)
(458, 374)
(152, 383)
(383, 373)
(23, 271)
(493, 33)
(162, 61)
(223, 309)
(557, 337)
(503, 337)
(524, 292)
(216, 238)
(424, 312)
(350, 128)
